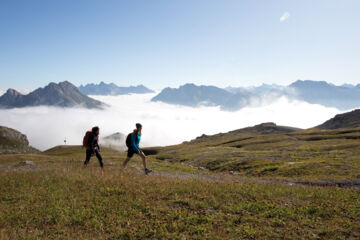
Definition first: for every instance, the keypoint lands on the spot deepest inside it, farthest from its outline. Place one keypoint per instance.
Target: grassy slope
(73, 203)
(308, 154)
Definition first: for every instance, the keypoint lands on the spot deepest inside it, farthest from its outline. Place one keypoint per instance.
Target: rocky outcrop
(13, 141)
(345, 120)
(267, 128)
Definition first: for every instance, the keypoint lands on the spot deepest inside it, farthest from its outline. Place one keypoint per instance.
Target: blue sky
(163, 43)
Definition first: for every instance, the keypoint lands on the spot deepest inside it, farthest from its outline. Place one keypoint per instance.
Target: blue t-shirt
(135, 140)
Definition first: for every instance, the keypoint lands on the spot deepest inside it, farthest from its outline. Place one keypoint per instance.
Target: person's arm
(91, 142)
(97, 143)
(133, 142)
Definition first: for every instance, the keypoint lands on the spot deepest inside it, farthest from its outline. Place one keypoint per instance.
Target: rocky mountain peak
(13, 92)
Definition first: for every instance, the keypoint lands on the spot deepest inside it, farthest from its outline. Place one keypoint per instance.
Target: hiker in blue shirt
(132, 142)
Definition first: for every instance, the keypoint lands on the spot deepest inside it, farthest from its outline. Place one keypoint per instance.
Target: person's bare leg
(143, 157)
(125, 162)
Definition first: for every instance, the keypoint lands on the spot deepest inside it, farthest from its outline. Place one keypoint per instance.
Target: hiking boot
(147, 171)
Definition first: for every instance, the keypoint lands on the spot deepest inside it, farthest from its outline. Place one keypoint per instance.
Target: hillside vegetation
(68, 202)
(270, 151)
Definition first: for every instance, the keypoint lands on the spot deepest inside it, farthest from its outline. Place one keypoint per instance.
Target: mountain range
(112, 89)
(193, 95)
(230, 99)
(343, 97)
(63, 94)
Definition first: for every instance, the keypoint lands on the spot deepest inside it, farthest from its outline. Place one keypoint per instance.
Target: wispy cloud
(285, 16)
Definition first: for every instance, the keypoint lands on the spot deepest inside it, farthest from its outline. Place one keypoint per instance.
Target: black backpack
(128, 140)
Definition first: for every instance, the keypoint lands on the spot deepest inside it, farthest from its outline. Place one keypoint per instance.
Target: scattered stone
(27, 162)
(197, 168)
(28, 167)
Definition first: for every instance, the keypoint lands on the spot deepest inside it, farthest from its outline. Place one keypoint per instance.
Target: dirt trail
(355, 184)
(212, 177)
(25, 168)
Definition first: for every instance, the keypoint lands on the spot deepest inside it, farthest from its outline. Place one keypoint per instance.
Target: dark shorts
(131, 152)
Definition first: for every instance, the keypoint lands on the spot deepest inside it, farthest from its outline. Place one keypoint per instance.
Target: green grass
(72, 203)
(68, 202)
(309, 154)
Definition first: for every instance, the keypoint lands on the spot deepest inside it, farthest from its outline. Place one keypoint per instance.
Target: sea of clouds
(163, 124)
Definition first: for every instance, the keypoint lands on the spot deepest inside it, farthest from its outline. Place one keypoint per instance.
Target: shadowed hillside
(345, 120)
(12, 141)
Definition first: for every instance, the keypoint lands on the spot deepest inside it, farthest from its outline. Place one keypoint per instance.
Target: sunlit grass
(83, 204)
(310, 154)
(65, 201)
